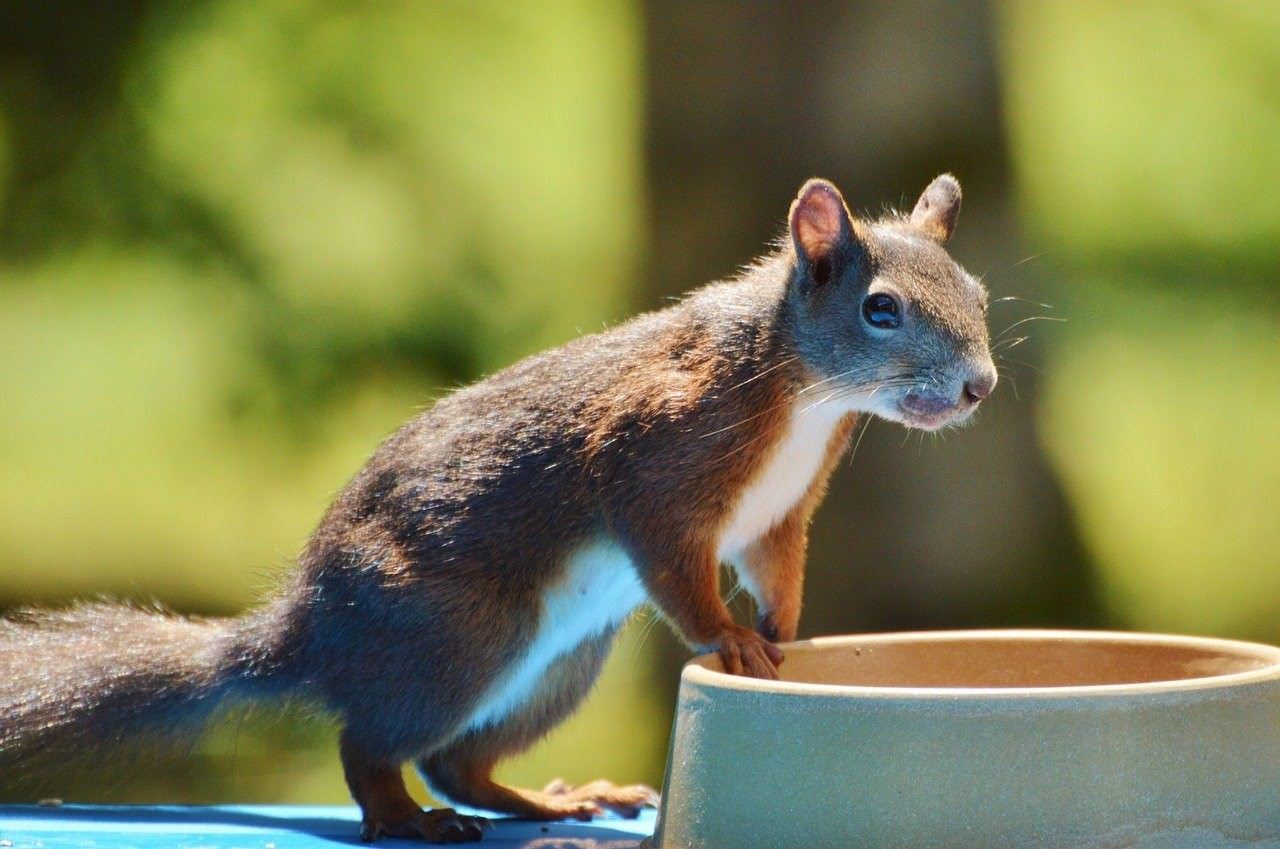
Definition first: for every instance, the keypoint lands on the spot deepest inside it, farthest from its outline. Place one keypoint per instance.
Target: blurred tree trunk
(748, 100)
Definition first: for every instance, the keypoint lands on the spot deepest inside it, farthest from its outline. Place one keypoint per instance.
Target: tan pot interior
(1030, 659)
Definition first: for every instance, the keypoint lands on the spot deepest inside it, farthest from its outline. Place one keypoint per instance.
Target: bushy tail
(76, 680)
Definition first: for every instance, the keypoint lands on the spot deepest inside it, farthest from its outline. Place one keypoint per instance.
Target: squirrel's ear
(821, 229)
(936, 211)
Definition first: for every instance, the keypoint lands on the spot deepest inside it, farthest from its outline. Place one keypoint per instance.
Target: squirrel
(461, 593)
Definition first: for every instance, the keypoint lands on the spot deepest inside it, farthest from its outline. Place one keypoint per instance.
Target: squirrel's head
(883, 317)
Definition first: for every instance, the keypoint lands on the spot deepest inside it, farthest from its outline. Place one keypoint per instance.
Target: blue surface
(270, 827)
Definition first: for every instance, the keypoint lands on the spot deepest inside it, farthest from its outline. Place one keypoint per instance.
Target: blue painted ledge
(269, 827)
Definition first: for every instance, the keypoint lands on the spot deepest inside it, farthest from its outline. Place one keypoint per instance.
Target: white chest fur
(787, 475)
(600, 590)
(601, 587)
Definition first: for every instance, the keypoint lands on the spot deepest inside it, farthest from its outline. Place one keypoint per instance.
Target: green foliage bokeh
(1147, 145)
(293, 225)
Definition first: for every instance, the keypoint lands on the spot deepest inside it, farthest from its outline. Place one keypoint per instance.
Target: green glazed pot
(981, 740)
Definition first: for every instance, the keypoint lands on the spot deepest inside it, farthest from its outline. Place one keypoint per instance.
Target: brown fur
(426, 584)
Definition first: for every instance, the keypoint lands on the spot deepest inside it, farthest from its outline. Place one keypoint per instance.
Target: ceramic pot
(981, 740)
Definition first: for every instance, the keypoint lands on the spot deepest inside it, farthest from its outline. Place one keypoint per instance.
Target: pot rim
(700, 670)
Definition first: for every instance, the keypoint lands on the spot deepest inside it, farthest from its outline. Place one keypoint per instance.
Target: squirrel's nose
(979, 386)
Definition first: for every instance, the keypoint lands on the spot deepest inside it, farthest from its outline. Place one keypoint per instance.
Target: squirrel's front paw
(744, 652)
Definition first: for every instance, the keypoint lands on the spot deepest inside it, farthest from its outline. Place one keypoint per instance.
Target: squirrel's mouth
(932, 412)
(937, 421)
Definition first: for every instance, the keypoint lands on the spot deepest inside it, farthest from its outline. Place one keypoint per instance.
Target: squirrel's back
(533, 447)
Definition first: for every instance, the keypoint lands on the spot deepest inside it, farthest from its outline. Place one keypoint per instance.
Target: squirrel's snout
(931, 407)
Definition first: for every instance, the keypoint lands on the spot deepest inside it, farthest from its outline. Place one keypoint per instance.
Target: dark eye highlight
(881, 311)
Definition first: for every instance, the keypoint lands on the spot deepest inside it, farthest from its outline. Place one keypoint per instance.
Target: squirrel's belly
(786, 476)
(599, 591)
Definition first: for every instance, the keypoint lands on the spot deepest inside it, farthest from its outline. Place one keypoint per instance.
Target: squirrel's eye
(881, 311)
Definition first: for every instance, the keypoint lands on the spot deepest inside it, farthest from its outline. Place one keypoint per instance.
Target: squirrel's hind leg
(386, 808)
(462, 771)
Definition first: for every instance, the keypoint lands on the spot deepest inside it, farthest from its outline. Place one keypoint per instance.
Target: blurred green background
(242, 241)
